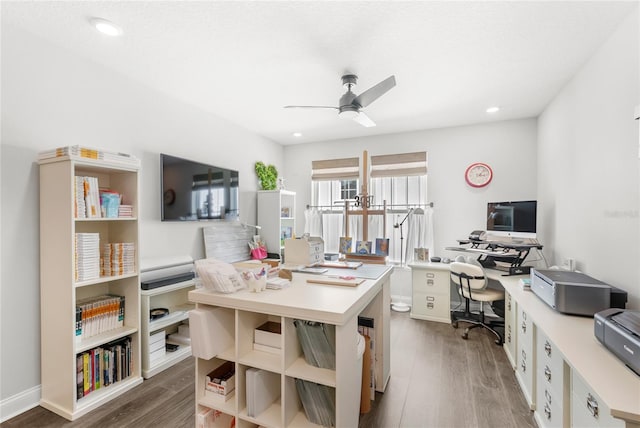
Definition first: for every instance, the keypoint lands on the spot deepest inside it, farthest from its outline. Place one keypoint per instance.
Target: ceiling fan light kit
(350, 104)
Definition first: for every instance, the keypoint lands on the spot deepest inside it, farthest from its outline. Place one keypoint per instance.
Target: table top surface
(333, 304)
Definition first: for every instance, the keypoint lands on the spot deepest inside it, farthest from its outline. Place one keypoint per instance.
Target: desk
(587, 360)
(581, 366)
(335, 305)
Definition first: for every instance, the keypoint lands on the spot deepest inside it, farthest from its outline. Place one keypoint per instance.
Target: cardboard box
(220, 382)
(269, 334)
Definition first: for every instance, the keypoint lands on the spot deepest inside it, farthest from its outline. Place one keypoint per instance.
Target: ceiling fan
(350, 104)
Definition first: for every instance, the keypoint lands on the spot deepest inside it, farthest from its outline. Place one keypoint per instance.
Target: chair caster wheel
(454, 324)
(465, 336)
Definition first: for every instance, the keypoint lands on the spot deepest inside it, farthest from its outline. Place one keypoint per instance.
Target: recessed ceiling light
(493, 109)
(297, 134)
(106, 27)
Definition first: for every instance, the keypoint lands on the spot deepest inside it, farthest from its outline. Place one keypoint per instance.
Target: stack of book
(87, 256)
(525, 283)
(318, 343)
(87, 197)
(103, 366)
(118, 258)
(95, 315)
(125, 211)
(318, 402)
(79, 152)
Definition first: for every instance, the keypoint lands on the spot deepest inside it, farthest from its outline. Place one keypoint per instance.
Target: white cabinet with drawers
(510, 334)
(552, 384)
(587, 408)
(430, 296)
(526, 363)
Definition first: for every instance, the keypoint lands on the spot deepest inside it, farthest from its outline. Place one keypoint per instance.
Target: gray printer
(619, 331)
(575, 293)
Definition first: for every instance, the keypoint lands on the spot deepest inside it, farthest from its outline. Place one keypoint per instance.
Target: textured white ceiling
(245, 60)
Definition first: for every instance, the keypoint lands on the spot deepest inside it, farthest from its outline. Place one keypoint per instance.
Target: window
(348, 189)
(400, 180)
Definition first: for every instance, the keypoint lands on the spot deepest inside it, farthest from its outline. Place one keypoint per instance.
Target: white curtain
(312, 222)
(332, 229)
(419, 232)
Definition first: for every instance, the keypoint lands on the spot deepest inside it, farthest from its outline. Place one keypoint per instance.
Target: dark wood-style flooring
(438, 380)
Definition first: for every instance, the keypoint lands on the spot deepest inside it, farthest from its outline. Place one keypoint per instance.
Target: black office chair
(472, 286)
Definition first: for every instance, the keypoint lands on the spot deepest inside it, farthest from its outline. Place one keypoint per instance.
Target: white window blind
(335, 169)
(399, 165)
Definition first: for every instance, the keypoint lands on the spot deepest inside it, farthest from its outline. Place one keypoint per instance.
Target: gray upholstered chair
(472, 286)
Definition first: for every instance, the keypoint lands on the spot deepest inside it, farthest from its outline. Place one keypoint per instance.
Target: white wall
(588, 175)
(52, 98)
(509, 147)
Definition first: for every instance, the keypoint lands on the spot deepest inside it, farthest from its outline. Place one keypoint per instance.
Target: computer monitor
(512, 219)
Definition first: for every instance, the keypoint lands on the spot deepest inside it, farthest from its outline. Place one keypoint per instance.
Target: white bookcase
(175, 298)
(59, 291)
(276, 214)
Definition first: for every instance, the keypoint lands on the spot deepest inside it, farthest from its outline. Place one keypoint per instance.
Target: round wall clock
(478, 174)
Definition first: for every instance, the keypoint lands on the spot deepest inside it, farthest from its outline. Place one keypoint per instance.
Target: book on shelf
(102, 366)
(96, 315)
(80, 152)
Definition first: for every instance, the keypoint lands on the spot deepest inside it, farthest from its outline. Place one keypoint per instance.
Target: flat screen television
(514, 219)
(197, 191)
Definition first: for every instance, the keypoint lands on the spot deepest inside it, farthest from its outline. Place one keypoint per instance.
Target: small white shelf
(106, 337)
(168, 320)
(167, 288)
(169, 359)
(262, 360)
(302, 370)
(269, 418)
(228, 407)
(103, 279)
(106, 219)
(300, 421)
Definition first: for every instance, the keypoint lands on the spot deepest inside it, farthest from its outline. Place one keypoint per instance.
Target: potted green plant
(268, 176)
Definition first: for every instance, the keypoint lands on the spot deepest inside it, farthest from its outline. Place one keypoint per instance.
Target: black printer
(619, 331)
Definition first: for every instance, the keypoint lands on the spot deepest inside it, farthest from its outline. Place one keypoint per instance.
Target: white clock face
(478, 174)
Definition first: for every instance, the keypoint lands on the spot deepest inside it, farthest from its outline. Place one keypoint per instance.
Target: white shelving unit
(273, 206)
(246, 311)
(59, 291)
(175, 298)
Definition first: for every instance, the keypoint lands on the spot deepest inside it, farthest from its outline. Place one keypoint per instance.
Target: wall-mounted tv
(197, 191)
(515, 219)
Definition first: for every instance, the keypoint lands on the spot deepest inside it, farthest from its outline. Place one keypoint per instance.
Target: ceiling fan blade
(331, 107)
(364, 120)
(375, 92)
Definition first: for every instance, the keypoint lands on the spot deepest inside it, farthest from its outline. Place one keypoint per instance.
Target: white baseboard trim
(19, 403)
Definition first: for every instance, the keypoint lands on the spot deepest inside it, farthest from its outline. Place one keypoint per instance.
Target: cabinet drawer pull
(430, 305)
(524, 316)
(547, 411)
(547, 374)
(547, 396)
(430, 275)
(430, 282)
(592, 405)
(524, 326)
(547, 348)
(524, 366)
(509, 337)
